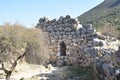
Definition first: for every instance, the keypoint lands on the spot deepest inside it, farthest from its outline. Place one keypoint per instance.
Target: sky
(28, 12)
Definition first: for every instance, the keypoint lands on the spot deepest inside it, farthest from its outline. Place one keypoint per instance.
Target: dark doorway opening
(62, 49)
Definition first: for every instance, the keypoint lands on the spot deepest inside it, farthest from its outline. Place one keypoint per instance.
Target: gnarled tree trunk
(8, 74)
(14, 64)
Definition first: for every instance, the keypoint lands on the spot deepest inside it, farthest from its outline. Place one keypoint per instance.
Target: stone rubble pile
(80, 44)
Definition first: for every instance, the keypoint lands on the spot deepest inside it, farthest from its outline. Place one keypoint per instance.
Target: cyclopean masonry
(76, 44)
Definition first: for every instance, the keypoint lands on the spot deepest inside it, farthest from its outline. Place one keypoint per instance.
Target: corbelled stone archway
(62, 49)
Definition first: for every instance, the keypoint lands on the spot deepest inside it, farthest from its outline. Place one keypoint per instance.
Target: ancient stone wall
(73, 43)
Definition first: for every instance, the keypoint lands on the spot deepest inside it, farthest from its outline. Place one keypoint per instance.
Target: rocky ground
(26, 71)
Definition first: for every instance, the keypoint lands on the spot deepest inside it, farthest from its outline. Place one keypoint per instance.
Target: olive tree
(17, 42)
(12, 48)
(37, 50)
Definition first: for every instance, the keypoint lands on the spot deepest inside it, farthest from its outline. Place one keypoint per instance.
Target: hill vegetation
(106, 14)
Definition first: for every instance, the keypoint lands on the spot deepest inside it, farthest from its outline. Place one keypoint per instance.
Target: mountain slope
(108, 12)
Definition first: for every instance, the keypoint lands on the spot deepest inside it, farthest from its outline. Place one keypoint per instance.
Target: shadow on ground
(69, 73)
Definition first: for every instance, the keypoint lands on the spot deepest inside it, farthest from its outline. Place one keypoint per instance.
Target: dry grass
(108, 30)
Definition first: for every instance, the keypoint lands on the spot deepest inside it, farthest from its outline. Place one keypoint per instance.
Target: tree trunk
(9, 72)
(8, 75)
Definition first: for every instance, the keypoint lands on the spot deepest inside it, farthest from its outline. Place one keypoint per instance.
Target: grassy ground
(69, 73)
(78, 73)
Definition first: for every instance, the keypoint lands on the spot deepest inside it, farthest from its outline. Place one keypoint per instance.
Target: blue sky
(28, 12)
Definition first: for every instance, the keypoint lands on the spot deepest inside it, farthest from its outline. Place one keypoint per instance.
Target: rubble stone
(83, 43)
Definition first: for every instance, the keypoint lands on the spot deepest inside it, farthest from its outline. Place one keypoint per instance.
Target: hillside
(106, 13)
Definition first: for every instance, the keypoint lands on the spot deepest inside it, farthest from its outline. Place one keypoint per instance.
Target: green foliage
(119, 33)
(84, 73)
(108, 30)
(22, 79)
(107, 12)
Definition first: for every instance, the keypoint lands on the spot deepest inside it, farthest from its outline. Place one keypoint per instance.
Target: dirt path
(26, 71)
(37, 72)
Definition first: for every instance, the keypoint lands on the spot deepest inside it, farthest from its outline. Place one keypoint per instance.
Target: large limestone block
(87, 26)
(65, 36)
(72, 33)
(78, 26)
(70, 36)
(50, 28)
(98, 42)
(83, 31)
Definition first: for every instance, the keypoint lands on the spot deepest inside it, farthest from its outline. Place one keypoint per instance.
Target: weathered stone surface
(83, 45)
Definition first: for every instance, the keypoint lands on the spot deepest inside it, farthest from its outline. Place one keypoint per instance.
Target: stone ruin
(76, 44)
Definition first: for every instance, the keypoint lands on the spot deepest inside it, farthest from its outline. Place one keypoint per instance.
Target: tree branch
(11, 62)
(3, 68)
(15, 62)
(21, 56)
